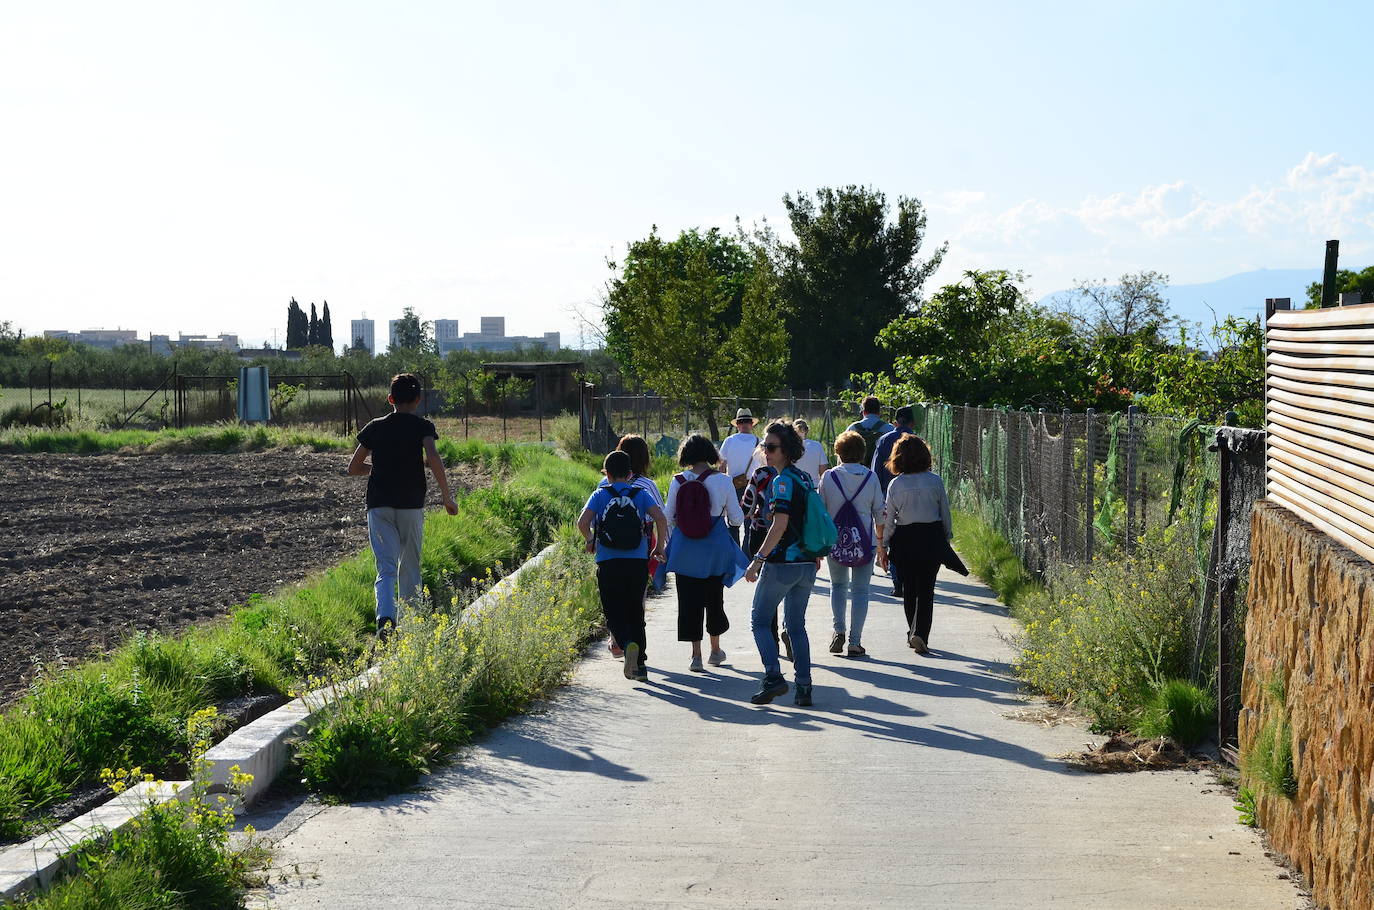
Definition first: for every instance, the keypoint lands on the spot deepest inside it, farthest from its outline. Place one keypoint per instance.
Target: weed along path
(909, 783)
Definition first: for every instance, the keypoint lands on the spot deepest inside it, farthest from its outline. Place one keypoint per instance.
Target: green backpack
(818, 532)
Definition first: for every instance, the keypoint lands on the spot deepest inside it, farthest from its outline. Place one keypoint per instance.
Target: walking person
(702, 555)
(400, 445)
(784, 572)
(870, 426)
(612, 524)
(915, 532)
(854, 499)
(637, 448)
(757, 518)
(905, 418)
(737, 454)
(814, 460)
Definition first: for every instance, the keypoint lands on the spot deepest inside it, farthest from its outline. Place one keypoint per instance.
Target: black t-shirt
(398, 460)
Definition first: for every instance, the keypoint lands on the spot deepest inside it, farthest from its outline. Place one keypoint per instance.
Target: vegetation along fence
(1062, 487)
(1320, 410)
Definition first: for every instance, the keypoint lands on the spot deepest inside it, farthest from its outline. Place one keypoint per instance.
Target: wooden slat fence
(1320, 409)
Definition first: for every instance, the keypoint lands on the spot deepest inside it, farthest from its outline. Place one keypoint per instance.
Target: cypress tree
(295, 326)
(313, 330)
(326, 329)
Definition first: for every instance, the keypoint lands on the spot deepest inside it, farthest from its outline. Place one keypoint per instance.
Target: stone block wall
(1310, 621)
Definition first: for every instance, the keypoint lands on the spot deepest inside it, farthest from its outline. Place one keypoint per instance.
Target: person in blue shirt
(906, 419)
(623, 572)
(785, 574)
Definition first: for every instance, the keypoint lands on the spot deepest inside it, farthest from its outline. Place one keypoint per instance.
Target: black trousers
(621, 583)
(700, 599)
(917, 551)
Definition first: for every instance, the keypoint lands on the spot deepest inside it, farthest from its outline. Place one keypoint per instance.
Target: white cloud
(1172, 227)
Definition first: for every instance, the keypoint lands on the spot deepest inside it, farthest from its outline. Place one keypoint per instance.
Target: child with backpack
(701, 553)
(612, 523)
(800, 533)
(637, 448)
(854, 498)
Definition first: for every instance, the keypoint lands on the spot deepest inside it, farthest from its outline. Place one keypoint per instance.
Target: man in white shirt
(737, 454)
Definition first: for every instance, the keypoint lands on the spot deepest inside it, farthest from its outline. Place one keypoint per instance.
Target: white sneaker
(717, 658)
(696, 666)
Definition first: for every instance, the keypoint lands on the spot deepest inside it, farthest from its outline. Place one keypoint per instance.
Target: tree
(981, 342)
(326, 329)
(359, 346)
(412, 335)
(848, 273)
(312, 332)
(1119, 321)
(696, 318)
(297, 326)
(1346, 281)
(1194, 383)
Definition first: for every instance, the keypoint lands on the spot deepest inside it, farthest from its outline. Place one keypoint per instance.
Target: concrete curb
(261, 748)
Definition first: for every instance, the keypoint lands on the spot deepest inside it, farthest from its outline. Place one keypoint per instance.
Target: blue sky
(188, 167)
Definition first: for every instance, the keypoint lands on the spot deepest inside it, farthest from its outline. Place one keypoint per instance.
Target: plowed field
(95, 547)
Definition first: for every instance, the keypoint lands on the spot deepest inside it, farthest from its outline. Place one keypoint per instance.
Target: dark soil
(95, 547)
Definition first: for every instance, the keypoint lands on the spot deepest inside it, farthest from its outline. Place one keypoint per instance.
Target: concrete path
(908, 784)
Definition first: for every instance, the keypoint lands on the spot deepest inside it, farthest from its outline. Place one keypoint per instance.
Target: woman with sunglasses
(784, 574)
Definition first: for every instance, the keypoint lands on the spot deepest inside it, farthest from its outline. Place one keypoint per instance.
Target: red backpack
(693, 512)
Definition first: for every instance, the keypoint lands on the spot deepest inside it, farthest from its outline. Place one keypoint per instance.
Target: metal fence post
(1132, 415)
(1089, 482)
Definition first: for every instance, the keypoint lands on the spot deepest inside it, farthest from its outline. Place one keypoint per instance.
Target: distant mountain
(1239, 295)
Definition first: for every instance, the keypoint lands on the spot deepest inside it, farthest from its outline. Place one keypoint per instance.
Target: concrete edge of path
(260, 748)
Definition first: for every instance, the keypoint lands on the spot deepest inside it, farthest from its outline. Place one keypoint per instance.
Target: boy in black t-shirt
(401, 443)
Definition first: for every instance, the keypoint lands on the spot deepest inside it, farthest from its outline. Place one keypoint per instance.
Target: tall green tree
(326, 329)
(312, 332)
(982, 342)
(696, 318)
(1346, 281)
(851, 270)
(297, 326)
(412, 335)
(1119, 321)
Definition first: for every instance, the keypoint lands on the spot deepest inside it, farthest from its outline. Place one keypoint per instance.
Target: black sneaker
(772, 687)
(837, 643)
(642, 674)
(386, 627)
(802, 696)
(786, 644)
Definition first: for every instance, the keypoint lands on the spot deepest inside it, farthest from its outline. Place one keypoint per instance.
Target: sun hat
(743, 414)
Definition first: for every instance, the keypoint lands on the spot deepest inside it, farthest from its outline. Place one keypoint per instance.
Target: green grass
(1269, 759)
(1179, 710)
(126, 708)
(214, 438)
(988, 554)
(442, 681)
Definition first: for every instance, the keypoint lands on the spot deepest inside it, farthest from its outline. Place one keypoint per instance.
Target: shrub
(1101, 636)
(1179, 710)
(1269, 760)
(443, 681)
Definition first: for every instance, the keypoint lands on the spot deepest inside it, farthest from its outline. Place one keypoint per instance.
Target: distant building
(221, 342)
(108, 339)
(446, 337)
(160, 345)
(366, 329)
(266, 353)
(493, 326)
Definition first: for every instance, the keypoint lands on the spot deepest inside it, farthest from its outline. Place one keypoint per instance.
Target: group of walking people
(754, 509)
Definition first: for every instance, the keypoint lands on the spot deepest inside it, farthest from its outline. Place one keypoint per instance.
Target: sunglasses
(771, 446)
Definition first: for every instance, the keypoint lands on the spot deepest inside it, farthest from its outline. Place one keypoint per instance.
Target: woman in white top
(701, 553)
(814, 461)
(916, 528)
(851, 559)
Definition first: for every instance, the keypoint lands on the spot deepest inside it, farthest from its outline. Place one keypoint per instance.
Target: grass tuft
(1179, 710)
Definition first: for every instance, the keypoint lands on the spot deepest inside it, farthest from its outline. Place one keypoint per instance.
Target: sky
(189, 167)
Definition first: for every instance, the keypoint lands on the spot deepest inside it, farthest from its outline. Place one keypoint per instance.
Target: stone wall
(1310, 623)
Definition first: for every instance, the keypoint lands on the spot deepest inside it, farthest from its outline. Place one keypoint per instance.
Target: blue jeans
(854, 582)
(396, 536)
(789, 584)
